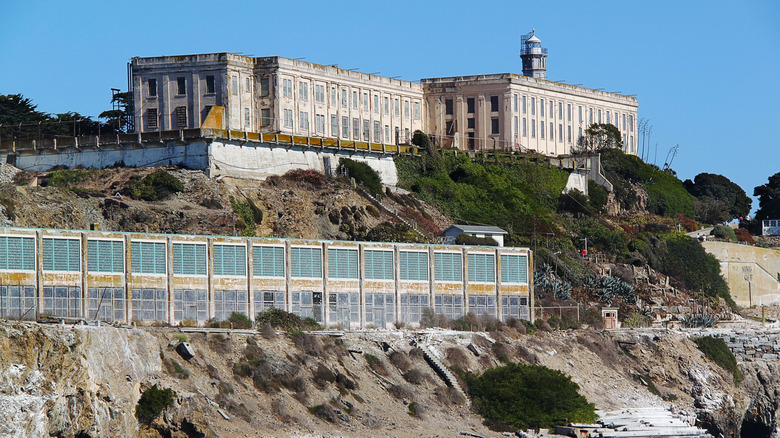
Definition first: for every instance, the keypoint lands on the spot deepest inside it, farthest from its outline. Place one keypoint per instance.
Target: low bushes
(152, 402)
(364, 175)
(717, 350)
(156, 186)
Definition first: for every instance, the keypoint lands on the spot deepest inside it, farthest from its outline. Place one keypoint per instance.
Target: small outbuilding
(495, 233)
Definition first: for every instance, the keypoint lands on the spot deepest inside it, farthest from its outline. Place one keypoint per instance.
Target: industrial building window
(514, 268)
(624, 122)
(599, 116)
(514, 100)
(269, 299)
(344, 308)
(568, 134)
(387, 133)
(380, 309)
(448, 266)
(149, 304)
(483, 305)
(303, 90)
(248, 85)
(181, 116)
(525, 128)
(344, 97)
(265, 117)
(413, 265)
(412, 306)
(512, 307)
(470, 123)
(494, 125)
(387, 105)
(541, 107)
(523, 105)
(306, 262)
(319, 93)
(451, 306)
(148, 258)
(514, 125)
(287, 88)
(62, 301)
(303, 121)
(288, 118)
(470, 105)
(106, 256)
(265, 87)
(552, 131)
(533, 106)
(356, 128)
(560, 132)
(609, 120)
(365, 101)
(268, 261)
(151, 87)
(181, 86)
(61, 255)
(397, 107)
(333, 97)
(568, 112)
(307, 304)
(18, 302)
(377, 131)
(378, 265)
(417, 111)
(106, 304)
(541, 130)
(189, 259)
(631, 123)
(334, 125)
(230, 260)
(247, 119)
(151, 118)
(366, 130)
(210, 84)
(552, 109)
(319, 123)
(590, 116)
(448, 127)
(355, 100)
(228, 301)
(448, 107)
(376, 103)
(493, 104)
(482, 268)
(190, 304)
(560, 110)
(533, 128)
(345, 126)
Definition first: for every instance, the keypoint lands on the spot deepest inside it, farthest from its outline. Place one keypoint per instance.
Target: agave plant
(546, 281)
(607, 289)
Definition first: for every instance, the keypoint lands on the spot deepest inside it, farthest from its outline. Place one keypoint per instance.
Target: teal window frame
(343, 263)
(268, 261)
(482, 268)
(230, 260)
(106, 256)
(514, 268)
(189, 258)
(61, 255)
(448, 267)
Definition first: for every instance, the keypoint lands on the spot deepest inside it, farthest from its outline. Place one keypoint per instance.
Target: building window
(448, 127)
(305, 262)
(514, 269)
(319, 123)
(552, 132)
(235, 85)
(387, 105)
(560, 110)
(287, 88)
(568, 134)
(470, 123)
(590, 116)
(387, 133)
(533, 107)
(248, 85)
(406, 109)
(61, 255)
(148, 258)
(151, 118)
(189, 259)
(541, 130)
(303, 90)
(515, 102)
(417, 111)
(448, 266)
(523, 105)
(377, 131)
(268, 261)
(181, 116)
(334, 125)
(344, 98)
(482, 268)
(494, 125)
(493, 104)
(568, 112)
(609, 120)
(397, 107)
(560, 132)
(579, 109)
(181, 86)
(354, 100)
(413, 265)
(366, 128)
(265, 117)
(210, 85)
(342, 263)
(288, 118)
(376, 103)
(303, 121)
(525, 132)
(378, 265)
(106, 256)
(152, 87)
(356, 128)
(541, 107)
(333, 101)
(319, 93)
(470, 105)
(631, 124)
(624, 123)
(448, 107)
(552, 109)
(407, 135)
(365, 101)
(345, 126)
(514, 126)
(599, 113)
(247, 118)
(265, 87)
(533, 128)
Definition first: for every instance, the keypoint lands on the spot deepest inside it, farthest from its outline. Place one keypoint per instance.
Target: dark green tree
(768, 199)
(116, 119)
(686, 260)
(719, 188)
(599, 137)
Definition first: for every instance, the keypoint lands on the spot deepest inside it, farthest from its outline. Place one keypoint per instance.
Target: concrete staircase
(442, 371)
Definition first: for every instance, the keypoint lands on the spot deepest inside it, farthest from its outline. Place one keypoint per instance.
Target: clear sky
(705, 72)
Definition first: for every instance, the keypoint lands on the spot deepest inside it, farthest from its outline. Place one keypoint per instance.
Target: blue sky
(705, 72)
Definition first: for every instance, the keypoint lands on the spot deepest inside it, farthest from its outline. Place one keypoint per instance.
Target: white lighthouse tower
(534, 56)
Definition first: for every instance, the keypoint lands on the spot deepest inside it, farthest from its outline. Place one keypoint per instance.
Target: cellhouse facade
(148, 278)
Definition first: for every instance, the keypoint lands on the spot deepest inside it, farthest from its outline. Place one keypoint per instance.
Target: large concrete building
(280, 95)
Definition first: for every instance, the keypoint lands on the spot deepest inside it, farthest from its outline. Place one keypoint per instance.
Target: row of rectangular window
(358, 99)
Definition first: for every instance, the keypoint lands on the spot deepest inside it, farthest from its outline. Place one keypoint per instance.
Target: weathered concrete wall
(751, 272)
(249, 160)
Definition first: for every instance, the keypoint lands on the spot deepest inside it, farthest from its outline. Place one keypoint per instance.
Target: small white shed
(453, 231)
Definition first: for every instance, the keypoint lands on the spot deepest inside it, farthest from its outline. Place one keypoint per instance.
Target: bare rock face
(762, 383)
(62, 381)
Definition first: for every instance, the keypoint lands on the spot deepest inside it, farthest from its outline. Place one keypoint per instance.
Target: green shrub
(282, 320)
(249, 216)
(637, 320)
(364, 175)
(152, 402)
(324, 412)
(465, 239)
(239, 321)
(717, 350)
(597, 195)
(686, 260)
(389, 232)
(69, 179)
(527, 396)
(156, 186)
(724, 232)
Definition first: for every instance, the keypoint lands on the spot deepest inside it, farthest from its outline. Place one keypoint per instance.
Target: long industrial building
(155, 278)
(279, 95)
